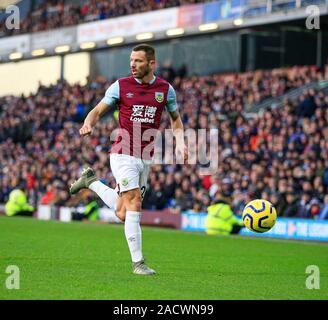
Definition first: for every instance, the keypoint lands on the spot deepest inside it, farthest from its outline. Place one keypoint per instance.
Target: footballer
(141, 99)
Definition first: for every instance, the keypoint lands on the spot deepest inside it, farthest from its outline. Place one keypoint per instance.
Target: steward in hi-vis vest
(17, 204)
(220, 219)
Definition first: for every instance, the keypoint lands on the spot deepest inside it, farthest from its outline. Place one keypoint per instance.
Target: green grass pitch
(91, 261)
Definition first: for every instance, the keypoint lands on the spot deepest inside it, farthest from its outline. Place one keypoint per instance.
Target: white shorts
(130, 172)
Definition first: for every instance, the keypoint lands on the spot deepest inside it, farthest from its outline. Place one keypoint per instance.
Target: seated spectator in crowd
(324, 210)
(292, 207)
(307, 106)
(155, 198)
(169, 186)
(239, 202)
(304, 205)
(197, 207)
(278, 202)
(62, 198)
(49, 197)
(315, 208)
(181, 202)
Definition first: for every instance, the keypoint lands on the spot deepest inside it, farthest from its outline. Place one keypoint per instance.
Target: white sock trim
(133, 216)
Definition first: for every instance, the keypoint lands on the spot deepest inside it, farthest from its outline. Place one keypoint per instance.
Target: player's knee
(135, 204)
(121, 215)
(133, 200)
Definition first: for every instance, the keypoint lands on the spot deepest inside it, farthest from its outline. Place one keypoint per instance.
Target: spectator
(155, 199)
(197, 207)
(49, 197)
(169, 186)
(304, 205)
(324, 210)
(220, 219)
(292, 207)
(17, 204)
(314, 208)
(306, 107)
(278, 202)
(180, 202)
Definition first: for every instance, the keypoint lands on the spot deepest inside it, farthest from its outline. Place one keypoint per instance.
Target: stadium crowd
(51, 14)
(280, 155)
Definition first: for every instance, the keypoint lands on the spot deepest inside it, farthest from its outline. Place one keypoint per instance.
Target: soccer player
(141, 100)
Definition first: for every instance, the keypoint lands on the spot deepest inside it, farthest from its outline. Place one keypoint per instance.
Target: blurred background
(254, 70)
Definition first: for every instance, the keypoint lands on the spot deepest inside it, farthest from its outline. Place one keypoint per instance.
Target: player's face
(139, 65)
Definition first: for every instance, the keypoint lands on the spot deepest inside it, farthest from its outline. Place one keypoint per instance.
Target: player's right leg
(89, 180)
(86, 178)
(120, 209)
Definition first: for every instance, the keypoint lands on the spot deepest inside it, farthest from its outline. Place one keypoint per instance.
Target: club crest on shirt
(159, 96)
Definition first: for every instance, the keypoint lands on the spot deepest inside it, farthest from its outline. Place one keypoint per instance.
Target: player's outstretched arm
(92, 118)
(177, 127)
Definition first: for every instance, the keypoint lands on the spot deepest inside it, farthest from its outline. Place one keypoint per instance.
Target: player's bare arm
(93, 117)
(177, 127)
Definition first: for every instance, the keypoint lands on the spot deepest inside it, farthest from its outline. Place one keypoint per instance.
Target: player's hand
(85, 130)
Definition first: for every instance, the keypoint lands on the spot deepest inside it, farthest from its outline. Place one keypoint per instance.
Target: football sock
(106, 194)
(133, 234)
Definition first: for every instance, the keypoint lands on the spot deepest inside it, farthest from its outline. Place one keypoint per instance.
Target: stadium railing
(291, 95)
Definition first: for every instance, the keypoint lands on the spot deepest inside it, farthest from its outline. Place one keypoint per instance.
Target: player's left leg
(132, 203)
(130, 176)
(140, 267)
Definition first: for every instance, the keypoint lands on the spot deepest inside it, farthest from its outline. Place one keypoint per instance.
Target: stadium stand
(52, 14)
(280, 155)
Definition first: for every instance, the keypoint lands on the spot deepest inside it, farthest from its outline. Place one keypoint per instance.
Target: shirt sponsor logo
(144, 114)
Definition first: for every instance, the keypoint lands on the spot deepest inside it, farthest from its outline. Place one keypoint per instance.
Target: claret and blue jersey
(140, 106)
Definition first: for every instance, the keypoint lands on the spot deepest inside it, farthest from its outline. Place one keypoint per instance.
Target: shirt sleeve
(112, 94)
(171, 103)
